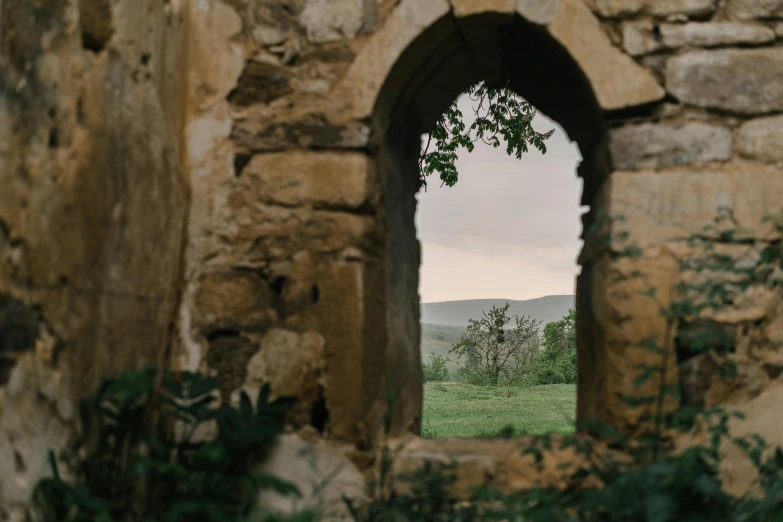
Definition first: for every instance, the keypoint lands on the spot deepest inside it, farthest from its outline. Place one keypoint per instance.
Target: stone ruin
(228, 185)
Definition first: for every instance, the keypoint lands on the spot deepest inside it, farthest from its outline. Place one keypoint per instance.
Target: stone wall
(93, 205)
(242, 174)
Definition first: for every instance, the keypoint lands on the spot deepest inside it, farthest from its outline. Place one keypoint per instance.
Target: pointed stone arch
(556, 54)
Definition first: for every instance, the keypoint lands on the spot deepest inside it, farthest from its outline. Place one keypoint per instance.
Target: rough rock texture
(639, 38)
(325, 473)
(91, 120)
(743, 81)
(715, 34)
(617, 8)
(749, 9)
(651, 146)
(332, 20)
(233, 184)
(762, 139)
(322, 179)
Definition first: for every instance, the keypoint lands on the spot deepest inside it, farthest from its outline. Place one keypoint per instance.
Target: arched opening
(501, 245)
(452, 54)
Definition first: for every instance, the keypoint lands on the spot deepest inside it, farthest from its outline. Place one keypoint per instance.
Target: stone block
(260, 82)
(232, 300)
(619, 8)
(655, 146)
(762, 139)
(323, 472)
(680, 7)
(639, 38)
(713, 34)
(258, 134)
(331, 179)
(671, 205)
(749, 9)
(333, 20)
(746, 81)
(290, 362)
(628, 84)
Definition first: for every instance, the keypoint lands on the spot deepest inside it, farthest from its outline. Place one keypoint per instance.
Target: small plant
(435, 370)
(148, 462)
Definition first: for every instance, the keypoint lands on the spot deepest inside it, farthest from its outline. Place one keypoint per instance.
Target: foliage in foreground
(147, 462)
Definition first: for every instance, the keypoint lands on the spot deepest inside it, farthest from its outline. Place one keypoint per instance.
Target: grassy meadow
(454, 409)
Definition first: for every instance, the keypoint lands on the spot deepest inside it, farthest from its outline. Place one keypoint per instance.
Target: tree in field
(556, 364)
(499, 114)
(560, 336)
(492, 344)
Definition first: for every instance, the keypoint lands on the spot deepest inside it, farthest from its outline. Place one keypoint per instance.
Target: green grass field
(461, 410)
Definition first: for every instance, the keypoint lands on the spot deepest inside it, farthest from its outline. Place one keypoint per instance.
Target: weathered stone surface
(748, 9)
(126, 120)
(260, 82)
(761, 416)
(779, 30)
(502, 464)
(464, 8)
(314, 131)
(638, 38)
(617, 8)
(681, 7)
(747, 81)
(96, 21)
(628, 84)
(234, 300)
(616, 80)
(258, 232)
(307, 464)
(671, 205)
(653, 146)
(228, 355)
(36, 416)
(19, 329)
(333, 20)
(290, 362)
(309, 178)
(762, 139)
(712, 34)
(369, 71)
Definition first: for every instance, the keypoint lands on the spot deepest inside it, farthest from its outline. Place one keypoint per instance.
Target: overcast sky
(508, 229)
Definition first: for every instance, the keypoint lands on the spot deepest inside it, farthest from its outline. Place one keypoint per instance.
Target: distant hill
(443, 323)
(457, 313)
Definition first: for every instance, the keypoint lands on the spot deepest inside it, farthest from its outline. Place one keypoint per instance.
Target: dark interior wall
(399, 158)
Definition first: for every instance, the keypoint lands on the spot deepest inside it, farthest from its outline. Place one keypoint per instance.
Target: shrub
(141, 469)
(435, 370)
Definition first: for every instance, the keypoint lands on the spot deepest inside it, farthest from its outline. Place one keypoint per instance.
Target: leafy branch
(500, 114)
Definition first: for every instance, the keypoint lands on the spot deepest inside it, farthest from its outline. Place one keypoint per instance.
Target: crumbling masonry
(228, 185)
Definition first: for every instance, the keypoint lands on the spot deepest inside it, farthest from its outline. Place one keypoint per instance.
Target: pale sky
(508, 229)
